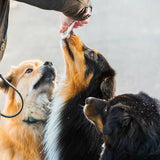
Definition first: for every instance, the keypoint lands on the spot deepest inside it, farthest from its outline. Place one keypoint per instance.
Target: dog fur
(69, 136)
(130, 124)
(21, 136)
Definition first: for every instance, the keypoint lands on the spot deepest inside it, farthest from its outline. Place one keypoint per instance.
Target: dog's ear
(3, 85)
(108, 87)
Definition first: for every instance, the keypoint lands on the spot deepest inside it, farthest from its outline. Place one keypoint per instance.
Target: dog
(130, 124)
(21, 136)
(69, 136)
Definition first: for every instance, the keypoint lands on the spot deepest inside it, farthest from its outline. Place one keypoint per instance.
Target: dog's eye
(105, 110)
(92, 55)
(29, 70)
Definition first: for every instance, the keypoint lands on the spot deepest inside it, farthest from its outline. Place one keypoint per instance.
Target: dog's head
(87, 69)
(35, 81)
(129, 123)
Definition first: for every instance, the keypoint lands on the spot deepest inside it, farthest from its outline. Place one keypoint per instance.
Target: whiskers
(82, 106)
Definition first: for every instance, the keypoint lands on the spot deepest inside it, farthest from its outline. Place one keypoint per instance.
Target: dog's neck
(70, 89)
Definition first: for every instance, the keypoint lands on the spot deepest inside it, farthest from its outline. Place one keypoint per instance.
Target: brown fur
(18, 139)
(90, 113)
(75, 80)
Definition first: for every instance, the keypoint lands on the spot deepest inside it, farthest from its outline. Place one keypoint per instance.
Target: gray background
(126, 32)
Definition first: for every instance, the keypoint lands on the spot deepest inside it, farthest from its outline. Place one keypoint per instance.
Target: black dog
(130, 125)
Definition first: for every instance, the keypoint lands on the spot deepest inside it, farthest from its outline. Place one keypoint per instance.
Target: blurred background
(126, 32)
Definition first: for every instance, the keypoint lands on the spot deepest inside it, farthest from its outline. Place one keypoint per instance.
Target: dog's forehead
(85, 48)
(25, 65)
(80, 45)
(29, 63)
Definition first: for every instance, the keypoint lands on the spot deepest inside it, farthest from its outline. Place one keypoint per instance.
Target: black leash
(22, 102)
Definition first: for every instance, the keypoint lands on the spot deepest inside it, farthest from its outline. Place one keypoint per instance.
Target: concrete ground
(126, 32)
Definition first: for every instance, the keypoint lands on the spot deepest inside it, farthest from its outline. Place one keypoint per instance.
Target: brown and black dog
(21, 136)
(130, 124)
(69, 135)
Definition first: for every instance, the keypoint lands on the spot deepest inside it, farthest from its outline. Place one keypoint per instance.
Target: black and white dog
(69, 135)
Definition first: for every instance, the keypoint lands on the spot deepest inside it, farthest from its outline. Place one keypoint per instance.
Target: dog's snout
(48, 69)
(98, 104)
(89, 100)
(47, 63)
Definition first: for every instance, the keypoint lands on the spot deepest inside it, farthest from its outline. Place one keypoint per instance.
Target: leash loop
(22, 102)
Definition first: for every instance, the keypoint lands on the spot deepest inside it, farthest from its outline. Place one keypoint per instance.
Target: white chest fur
(52, 130)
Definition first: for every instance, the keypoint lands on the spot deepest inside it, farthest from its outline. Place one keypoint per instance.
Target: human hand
(66, 22)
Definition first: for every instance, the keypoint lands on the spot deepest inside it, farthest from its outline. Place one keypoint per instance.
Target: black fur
(79, 139)
(132, 125)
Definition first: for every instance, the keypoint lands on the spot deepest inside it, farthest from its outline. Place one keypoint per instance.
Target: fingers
(63, 28)
(66, 22)
(81, 23)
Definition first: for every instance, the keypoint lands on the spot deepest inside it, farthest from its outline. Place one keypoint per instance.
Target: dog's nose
(47, 63)
(88, 100)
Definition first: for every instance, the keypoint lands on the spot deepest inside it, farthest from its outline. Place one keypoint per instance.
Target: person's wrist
(77, 9)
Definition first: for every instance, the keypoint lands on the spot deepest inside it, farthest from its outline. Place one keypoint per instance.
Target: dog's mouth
(67, 44)
(73, 46)
(48, 77)
(68, 48)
